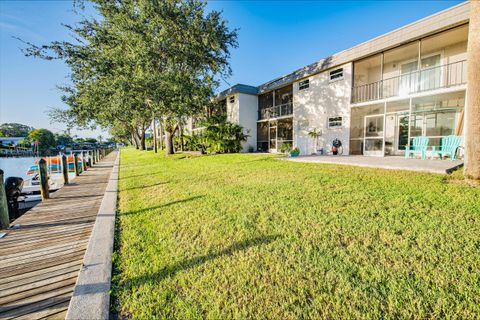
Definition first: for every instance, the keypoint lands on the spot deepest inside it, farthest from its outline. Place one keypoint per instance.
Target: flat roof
(445, 19)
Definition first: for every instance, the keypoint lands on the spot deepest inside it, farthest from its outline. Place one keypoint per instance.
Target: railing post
(75, 164)
(65, 169)
(44, 188)
(4, 217)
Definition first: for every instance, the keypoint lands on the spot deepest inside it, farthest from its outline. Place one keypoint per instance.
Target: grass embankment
(247, 236)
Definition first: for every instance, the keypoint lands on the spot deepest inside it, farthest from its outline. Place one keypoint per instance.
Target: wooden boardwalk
(40, 261)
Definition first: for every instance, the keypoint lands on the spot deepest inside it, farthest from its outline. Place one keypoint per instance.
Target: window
(305, 84)
(232, 99)
(336, 74)
(335, 122)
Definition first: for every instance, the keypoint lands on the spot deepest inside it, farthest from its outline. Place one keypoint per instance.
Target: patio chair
(419, 146)
(448, 146)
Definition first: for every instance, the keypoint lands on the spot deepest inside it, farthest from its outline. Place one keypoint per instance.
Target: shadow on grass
(140, 175)
(172, 270)
(143, 187)
(161, 206)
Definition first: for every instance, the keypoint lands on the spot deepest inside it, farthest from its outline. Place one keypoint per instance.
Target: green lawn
(247, 236)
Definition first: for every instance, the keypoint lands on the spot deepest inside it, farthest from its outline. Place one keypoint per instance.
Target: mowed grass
(248, 236)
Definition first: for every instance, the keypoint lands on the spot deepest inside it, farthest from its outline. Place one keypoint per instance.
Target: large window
(276, 103)
(262, 136)
(271, 135)
(433, 62)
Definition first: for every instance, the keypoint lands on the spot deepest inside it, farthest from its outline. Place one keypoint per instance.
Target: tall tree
(15, 129)
(472, 136)
(142, 57)
(44, 138)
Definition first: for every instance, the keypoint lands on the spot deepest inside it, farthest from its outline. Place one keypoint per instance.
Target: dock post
(93, 157)
(89, 159)
(4, 217)
(75, 164)
(44, 188)
(84, 163)
(65, 169)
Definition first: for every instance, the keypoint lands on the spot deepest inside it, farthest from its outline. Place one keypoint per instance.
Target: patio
(390, 162)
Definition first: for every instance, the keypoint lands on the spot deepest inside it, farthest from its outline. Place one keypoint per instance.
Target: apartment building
(374, 97)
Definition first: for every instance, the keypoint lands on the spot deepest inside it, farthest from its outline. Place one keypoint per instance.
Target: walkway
(389, 162)
(41, 257)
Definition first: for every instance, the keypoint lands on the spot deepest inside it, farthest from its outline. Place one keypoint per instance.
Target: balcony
(426, 79)
(278, 111)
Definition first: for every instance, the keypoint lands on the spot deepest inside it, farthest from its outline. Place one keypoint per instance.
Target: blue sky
(275, 38)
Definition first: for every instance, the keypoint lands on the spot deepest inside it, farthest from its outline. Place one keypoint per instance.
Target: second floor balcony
(443, 76)
(278, 111)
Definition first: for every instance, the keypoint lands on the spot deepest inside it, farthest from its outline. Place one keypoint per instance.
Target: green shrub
(221, 136)
(286, 147)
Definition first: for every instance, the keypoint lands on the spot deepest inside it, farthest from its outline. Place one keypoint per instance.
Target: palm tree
(314, 134)
(472, 135)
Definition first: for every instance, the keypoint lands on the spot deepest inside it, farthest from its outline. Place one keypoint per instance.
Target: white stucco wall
(233, 111)
(243, 111)
(313, 106)
(248, 105)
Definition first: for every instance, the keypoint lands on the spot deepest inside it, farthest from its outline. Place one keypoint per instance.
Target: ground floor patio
(392, 162)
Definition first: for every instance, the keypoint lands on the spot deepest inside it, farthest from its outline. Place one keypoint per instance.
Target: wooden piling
(93, 157)
(84, 162)
(44, 188)
(75, 164)
(65, 169)
(89, 159)
(4, 217)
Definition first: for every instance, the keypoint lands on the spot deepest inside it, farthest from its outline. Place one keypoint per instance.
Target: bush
(286, 147)
(192, 142)
(221, 136)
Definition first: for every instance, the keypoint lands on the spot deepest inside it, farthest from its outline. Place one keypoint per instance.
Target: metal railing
(280, 110)
(443, 76)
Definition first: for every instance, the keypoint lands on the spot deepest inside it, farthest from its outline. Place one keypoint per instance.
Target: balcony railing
(443, 76)
(281, 110)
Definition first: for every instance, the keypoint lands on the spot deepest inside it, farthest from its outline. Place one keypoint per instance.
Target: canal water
(16, 167)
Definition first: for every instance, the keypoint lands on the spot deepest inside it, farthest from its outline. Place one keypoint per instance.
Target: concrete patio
(389, 162)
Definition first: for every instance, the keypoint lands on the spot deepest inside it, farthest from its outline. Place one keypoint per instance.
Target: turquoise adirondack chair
(419, 146)
(448, 146)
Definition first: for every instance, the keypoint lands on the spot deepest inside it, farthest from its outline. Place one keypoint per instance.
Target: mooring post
(4, 217)
(93, 157)
(65, 169)
(44, 188)
(89, 159)
(75, 164)
(84, 163)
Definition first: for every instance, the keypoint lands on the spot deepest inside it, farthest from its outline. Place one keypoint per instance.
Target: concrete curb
(91, 298)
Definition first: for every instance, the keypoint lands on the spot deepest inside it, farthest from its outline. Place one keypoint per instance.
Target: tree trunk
(134, 139)
(154, 135)
(161, 134)
(169, 143)
(142, 140)
(180, 128)
(472, 134)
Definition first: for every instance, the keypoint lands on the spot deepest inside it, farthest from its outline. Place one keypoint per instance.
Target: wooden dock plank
(40, 260)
